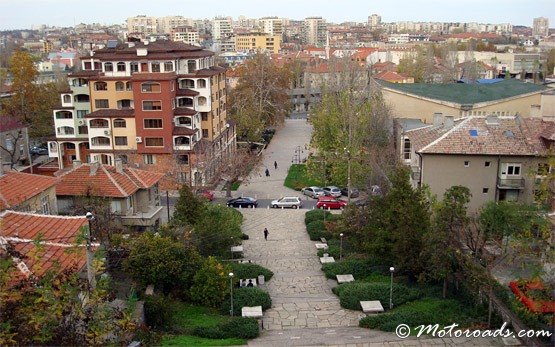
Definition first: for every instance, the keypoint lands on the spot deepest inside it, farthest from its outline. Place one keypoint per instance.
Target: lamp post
(90, 270)
(341, 246)
(231, 291)
(391, 269)
(348, 174)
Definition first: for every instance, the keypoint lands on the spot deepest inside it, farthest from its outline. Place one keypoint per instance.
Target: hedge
(359, 268)
(237, 327)
(350, 294)
(314, 215)
(247, 296)
(422, 312)
(159, 312)
(317, 230)
(248, 270)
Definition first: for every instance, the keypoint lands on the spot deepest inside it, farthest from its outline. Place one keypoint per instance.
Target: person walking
(266, 234)
(267, 172)
(275, 165)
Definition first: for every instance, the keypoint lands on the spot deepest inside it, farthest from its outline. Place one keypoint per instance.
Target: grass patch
(187, 340)
(297, 178)
(359, 268)
(191, 316)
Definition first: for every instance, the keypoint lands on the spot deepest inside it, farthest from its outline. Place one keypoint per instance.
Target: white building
(185, 34)
(222, 28)
(540, 27)
(271, 25)
(374, 21)
(314, 31)
(143, 25)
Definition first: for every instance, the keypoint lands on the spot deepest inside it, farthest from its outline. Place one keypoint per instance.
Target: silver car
(288, 201)
(313, 192)
(332, 191)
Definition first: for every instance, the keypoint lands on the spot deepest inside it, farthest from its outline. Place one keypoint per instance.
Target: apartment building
(374, 21)
(160, 106)
(168, 23)
(497, 158)
(185, 34)
(142, 26)
(540, 27)
(253, 42)
(272, 26)
(222, 28)
(314, 31)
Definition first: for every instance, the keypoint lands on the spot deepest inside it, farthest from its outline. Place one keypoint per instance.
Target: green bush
(248, 270)
(350, 294)
(359, 268)
(422, 312)
(159, 312)
(238, 327)
(315, 215)
(247, 296)
(210, 283)
(317, 230)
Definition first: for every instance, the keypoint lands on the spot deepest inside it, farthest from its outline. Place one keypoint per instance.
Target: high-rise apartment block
(142, 26)
(540, 27)
(271, 25)
(185, 34)
(166, 24)
(160, 106)
(222, 28)
(314, 31)
(374, 21)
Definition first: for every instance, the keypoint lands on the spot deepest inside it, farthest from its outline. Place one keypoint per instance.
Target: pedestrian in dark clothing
(250, 284)
(266, 234)
(275, 165)
(267, 172)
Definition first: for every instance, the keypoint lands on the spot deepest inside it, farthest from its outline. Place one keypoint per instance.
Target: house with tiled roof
(20, 234)
(393, 77)
(132, 194)
(26, 192)
(497, 158)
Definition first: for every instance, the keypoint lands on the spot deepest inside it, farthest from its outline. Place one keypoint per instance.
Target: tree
(260, 98)
(188, 208)
(551, 61)
(13, 142)
(210, 283)
(217, 230)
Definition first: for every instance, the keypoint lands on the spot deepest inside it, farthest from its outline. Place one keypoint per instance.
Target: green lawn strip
(297, 178)
(190, 316)
(187, 340)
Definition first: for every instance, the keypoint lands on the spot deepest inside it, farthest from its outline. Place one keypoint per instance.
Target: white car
(332, 191)
(288, 201)
(313, 192)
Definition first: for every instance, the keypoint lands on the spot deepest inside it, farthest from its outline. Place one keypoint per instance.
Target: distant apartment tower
(374, 21)
(541, 27)
(185, 34)
(142, 25)
(253, 42)
(271, 25)
(166, 24)
(314, 31)
(159, 106)
(222, 28)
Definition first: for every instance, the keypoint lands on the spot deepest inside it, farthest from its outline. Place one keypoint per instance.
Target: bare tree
(12, 144)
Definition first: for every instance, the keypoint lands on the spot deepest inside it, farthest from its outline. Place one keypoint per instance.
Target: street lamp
(391, 269)
(231, 291)
(90, 271)
(348, 174)
(341, 246)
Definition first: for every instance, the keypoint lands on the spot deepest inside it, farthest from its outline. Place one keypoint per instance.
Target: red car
(330, 202)
(207, 194)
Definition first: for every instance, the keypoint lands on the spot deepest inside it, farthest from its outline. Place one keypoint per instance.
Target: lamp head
(231, 274)
(89, 216)
(392, 269)
(341, 234)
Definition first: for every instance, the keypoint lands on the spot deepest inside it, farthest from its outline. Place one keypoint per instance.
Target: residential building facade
(272, 26)
(253, 42)
(540, 27)
(314, 31)
(14, 143)
(186, 34)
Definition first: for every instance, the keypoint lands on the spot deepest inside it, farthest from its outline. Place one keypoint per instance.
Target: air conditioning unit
(107, 132)
(81, 122)
(138, 139)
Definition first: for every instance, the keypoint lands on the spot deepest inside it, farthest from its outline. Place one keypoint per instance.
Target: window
(155, 67)
(120, 140)
(120, 86)
(487, 164)
(69, 145)
(9, 143)
(45, 205)
(124, 103)
(204, 116)
(115, 206)
(184, 121)
(87, 66)
(513, 169)
(204, 132)
(185, 102)
(108, 67)
(101, 103)
(202, 101)
(64, 115)
(100, 86)
(182, 141)
(149, 159)
(119, 123)
(83, 129)
(485, 190)
(182, 177)
(99, 123)
(406, 149)
(183, 159)
(134, 66)
(154, 142)
(187, 83)
(67, 99)
(150, 87)
(201, 83)
(21, 149)
(153, 123)
(82, 113)
(64, 131)
(152, 105)
(168, 66)
(128, 86)
(466, 163)
(100, 141)
(81, 98)
(121, 66)
(191, 66)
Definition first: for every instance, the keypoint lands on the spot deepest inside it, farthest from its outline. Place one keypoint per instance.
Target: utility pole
(90, 269)
(168, 204)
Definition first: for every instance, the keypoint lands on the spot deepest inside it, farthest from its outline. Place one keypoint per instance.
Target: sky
(23, 14)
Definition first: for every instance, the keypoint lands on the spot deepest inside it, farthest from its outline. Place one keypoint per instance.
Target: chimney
(449, 122)
(76, 163)
(94, 167)
(119, 165)
(438, 118)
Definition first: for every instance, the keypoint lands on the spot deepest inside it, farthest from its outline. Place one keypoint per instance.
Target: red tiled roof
(184, 111)
(152, 76)
(211, 71)
(17, 187)
(112, 113)
(391, 76)
(182, 131)
(186, 92)
(84, 73)
(105, 182)
(8, 123)
(161, 49)
(58, 235)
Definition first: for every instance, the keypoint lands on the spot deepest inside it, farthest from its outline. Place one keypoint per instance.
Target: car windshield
(318, 190)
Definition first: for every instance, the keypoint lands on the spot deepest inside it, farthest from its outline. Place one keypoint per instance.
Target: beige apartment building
(253, 42)
(497, 158)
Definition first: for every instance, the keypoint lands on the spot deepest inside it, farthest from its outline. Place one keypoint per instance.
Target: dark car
(354, 192)
(242, 202)
(38, 150)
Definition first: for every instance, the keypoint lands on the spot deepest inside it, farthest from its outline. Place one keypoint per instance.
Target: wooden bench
(323, 239)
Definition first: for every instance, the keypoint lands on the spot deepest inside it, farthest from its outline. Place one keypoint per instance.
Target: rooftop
(160, 49)
(17, 187)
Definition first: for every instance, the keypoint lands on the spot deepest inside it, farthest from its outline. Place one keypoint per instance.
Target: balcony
(148, 218)
(510, 183)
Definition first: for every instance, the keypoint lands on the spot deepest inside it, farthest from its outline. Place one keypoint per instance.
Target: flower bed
(527, 293)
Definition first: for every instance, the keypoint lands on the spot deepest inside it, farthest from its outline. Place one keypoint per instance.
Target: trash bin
(261, 279)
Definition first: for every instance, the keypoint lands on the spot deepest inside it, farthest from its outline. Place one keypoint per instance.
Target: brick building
(159, 106)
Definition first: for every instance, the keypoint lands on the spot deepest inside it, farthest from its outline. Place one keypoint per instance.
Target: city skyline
(24, 14)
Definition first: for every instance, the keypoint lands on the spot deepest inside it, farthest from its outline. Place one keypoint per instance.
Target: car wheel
(229, 205)
(274, 206)
(295, 207)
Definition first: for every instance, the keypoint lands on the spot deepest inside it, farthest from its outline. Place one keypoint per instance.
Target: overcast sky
(23, 14)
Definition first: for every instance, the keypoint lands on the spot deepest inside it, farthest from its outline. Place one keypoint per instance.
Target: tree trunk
(490, 307)
(445, 287)
(228, 189)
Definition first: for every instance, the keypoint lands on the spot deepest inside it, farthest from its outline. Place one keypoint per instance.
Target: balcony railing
(511, 183)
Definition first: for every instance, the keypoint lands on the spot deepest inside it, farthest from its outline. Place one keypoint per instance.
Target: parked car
(242, 202)
(354, 192)
(205, 193)
(288, 201)
(313, 192)
(330, 202)
(332, 191)
(37, 150)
